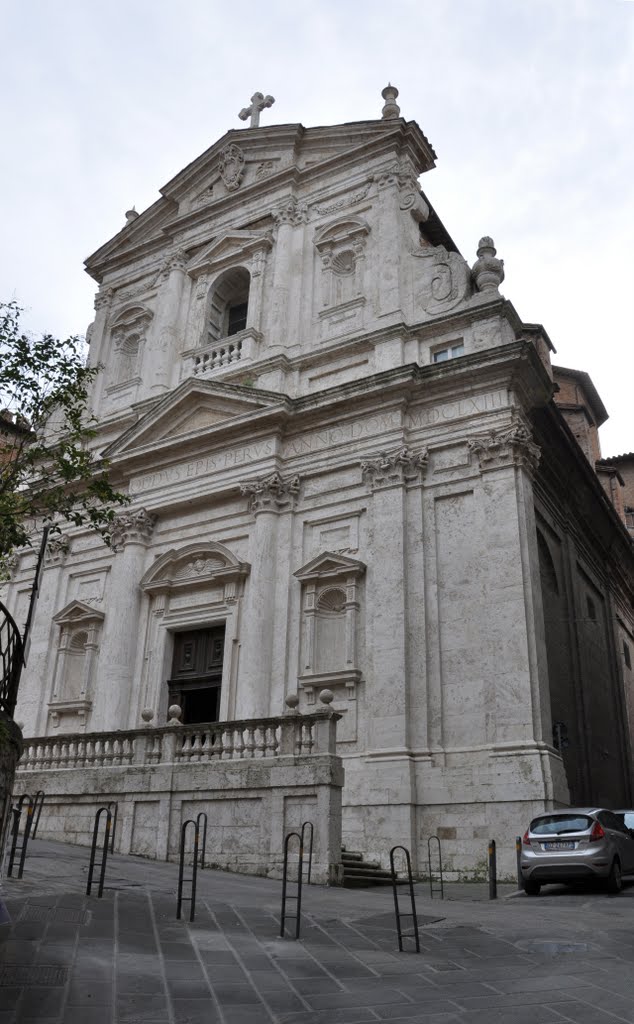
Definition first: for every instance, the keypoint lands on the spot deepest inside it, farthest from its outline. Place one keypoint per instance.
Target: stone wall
(255, 780)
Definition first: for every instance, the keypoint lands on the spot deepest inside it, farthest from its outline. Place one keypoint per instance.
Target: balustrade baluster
(238, 744)
(228, 742)
(196, 747)
(250, 741)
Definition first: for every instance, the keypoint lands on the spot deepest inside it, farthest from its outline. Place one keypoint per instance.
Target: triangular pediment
(253, 169)
(76, 613)
(329, 564)
(231, 246)
(193, 408)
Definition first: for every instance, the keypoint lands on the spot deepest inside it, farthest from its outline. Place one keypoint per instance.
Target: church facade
(348, 473)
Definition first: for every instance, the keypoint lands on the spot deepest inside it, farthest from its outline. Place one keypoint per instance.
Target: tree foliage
(48, 471)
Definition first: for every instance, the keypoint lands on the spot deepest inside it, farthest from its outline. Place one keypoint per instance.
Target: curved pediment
(197, 564)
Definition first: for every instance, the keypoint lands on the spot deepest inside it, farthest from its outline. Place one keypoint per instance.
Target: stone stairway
(361, 874)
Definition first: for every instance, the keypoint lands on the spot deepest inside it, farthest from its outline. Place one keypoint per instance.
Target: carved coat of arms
(231, 167)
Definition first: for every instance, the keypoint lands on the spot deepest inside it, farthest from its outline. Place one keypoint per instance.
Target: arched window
(228, 304)
(547, 569)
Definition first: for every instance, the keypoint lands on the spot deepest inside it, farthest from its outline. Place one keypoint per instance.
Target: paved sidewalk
(125, 959)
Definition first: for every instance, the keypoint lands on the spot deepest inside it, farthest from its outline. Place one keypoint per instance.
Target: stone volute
(488, 271)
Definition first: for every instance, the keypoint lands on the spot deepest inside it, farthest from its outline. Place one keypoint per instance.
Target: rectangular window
(451, 352)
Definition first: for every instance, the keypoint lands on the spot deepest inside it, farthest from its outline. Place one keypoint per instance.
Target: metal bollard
(518, 858)
(493, 879)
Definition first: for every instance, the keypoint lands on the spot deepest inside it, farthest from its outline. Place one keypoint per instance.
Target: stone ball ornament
(326, 697)
(292, 701)
(148, 714)
(488, 270)
(174, 713)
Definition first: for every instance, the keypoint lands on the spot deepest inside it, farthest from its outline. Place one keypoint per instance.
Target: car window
(611, 820)
(554, 824)
(626, 818)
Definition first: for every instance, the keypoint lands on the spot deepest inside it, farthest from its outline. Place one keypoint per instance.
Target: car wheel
(532, 888)
(615, 882)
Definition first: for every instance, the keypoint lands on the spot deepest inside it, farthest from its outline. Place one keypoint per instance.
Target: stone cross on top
(258, 103)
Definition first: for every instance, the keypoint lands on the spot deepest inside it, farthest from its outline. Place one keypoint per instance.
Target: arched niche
(228, 304)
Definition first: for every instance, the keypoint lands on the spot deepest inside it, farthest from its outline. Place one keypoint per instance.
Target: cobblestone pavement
(125, 959)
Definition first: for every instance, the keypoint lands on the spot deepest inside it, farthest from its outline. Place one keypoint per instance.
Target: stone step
(359, 873)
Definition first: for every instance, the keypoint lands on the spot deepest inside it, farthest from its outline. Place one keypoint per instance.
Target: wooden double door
(196, 678)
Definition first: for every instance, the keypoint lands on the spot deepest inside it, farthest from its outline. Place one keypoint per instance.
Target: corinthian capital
(510, 446)
(291, 212)
(272, 493)
(395, 468)
(132, 528)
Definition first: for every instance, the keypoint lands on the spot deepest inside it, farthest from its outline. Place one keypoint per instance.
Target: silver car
(574, 845)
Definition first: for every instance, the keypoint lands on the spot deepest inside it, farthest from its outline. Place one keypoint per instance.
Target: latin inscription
(330, 437)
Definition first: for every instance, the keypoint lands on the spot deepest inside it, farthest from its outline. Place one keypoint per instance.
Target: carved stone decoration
(57, 547)
(347, 200)
(443, 279)
(488, 271)
(291, 212)
(401, 175)
(231, 167)
(104, 298)
(132, 527)
(509, 446)
(175, 260)
(272, 493)
(264, 169)
(396, 468)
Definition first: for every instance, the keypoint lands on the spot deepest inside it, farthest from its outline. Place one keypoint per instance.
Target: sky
(528, 103)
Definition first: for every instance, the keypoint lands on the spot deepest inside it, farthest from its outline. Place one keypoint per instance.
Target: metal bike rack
(286, 881)
(399, 913)
(38, 803)
(104, 851)
(17, 818)
(435, 889)
(113, 807)
(181, 871)
(203, 846)
(305, 826)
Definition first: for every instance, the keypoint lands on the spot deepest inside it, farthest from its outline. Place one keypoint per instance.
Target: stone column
(163, 348)
(268, 497)
(287, 218)
(398, 194)
(113, 697)
(387, 476)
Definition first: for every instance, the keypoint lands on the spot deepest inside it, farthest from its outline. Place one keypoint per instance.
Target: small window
(592, 611)
(451, 352)
(626, 655)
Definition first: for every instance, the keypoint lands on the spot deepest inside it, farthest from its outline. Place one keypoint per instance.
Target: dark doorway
(197, 674)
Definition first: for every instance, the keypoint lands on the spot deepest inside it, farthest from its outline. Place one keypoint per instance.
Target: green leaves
(49, 470)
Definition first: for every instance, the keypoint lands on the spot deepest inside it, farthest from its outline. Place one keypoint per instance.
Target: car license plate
(559, 846)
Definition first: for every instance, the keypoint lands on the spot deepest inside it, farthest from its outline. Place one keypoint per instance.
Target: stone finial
(391, 110)
(175, 713)
(326, 697)
(292, 703)
(488, 271)
(258, 102)
(148, 714)
(130, 215)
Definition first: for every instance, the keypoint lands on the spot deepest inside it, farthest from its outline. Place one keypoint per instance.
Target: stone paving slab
(70, 959)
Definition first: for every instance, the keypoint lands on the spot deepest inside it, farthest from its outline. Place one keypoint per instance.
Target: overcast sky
(528, 103)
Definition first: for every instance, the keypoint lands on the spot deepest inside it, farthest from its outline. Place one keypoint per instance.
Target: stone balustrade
(255, 779)
(179, 744)
(238, 348)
